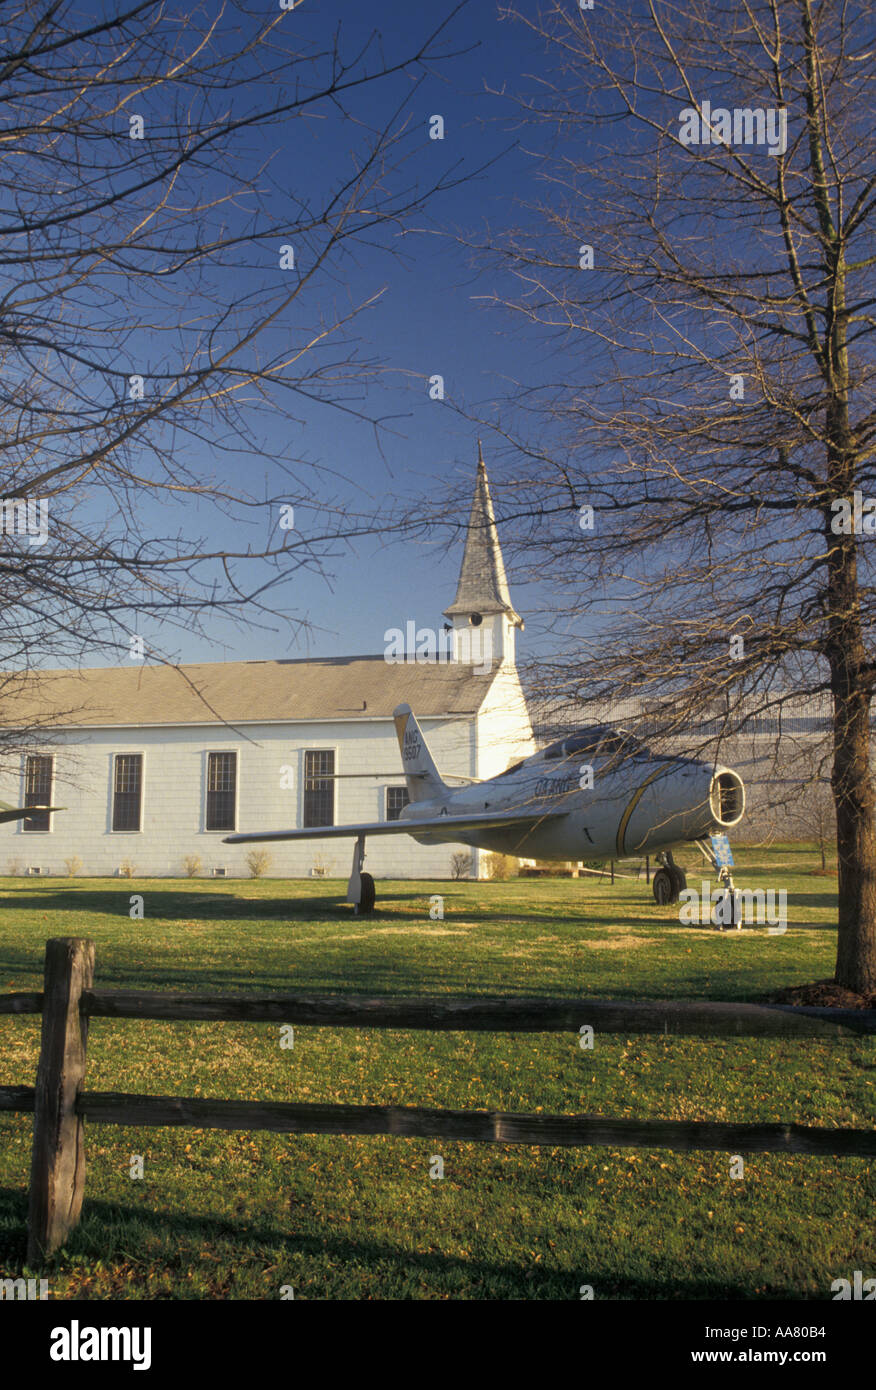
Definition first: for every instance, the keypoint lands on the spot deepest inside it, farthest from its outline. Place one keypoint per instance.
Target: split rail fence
(60, 1106)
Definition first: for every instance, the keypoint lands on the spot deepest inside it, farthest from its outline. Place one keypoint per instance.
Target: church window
(221, 791)
(319, 787)
(38, 790)
(127, 791)
(396, 799)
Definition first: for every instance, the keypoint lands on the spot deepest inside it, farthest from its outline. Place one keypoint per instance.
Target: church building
(156, 764)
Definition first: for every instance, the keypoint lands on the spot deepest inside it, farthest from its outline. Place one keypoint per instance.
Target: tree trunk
(850, 676)
(856, 844)
(851, 777)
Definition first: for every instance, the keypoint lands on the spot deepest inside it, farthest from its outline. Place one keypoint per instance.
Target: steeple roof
(483, 585)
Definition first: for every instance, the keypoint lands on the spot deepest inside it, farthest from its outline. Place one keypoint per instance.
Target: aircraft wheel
(679, 882)
(367, 896)
(663, 888)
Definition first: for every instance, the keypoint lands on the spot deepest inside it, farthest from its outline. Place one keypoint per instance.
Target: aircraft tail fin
(421, 774)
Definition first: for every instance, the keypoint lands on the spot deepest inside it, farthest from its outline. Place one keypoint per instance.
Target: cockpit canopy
(598, 741)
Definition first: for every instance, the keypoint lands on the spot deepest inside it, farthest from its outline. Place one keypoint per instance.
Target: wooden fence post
(57, 1175)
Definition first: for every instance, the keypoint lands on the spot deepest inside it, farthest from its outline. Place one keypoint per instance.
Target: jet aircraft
(599, 793)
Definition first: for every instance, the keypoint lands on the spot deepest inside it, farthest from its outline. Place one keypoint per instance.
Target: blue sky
(427, 314)
(428, 320)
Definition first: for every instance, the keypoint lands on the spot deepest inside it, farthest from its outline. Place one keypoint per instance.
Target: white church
(157, 764)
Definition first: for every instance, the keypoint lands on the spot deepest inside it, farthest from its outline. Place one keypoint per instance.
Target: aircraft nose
(685, 801)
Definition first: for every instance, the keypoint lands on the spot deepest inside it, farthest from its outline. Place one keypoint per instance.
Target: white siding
(174, 798)
(504, 731)
(504, 735)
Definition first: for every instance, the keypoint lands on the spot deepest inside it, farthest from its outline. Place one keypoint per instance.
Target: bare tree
(182, 191)
(699, 275)
(818, 818)
(814, 811)
(460, 865)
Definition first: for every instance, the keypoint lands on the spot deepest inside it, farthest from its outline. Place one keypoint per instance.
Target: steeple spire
(482, 591)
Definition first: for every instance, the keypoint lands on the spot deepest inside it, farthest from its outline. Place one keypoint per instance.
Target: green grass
(240, 1215)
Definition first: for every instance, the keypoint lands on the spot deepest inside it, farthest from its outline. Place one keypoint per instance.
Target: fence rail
(470, 1126)
(60, 1105)
(446, 1013)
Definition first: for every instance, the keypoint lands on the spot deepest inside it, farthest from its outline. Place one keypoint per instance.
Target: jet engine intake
(727, 798)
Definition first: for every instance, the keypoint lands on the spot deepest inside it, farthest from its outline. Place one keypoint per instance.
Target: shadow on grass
(394, 908)
(110, 1231)
(112, 903)
(397, 905)
(21, 969)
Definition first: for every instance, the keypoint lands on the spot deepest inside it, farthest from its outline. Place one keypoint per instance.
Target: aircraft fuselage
(592, 809)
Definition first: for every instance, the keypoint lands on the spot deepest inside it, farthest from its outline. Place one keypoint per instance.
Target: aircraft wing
(446, 824)
(8, 812)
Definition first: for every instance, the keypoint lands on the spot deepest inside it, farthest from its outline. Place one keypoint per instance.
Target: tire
(679, 882)
(367, 895)
(662, 887)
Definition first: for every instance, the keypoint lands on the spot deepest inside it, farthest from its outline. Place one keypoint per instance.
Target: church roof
(237, 692)
(483, 585)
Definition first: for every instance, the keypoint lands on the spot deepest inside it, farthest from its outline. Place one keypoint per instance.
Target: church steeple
(482, 614)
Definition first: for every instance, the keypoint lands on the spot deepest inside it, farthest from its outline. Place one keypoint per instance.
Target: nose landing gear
(727, 913)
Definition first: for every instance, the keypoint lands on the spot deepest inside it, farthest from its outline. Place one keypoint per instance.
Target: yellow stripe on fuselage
(625, 818)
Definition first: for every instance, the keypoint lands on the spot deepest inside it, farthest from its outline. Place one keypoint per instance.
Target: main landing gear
(669, 881)
(360, 889)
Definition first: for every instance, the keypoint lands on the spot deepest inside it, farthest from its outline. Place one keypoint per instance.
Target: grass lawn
(236, 1215)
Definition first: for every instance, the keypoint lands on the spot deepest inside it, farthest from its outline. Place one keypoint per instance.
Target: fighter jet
(599, 793)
